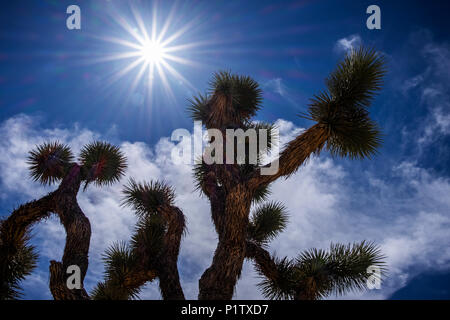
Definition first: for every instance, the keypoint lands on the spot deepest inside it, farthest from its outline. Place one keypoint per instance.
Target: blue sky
(55, 84)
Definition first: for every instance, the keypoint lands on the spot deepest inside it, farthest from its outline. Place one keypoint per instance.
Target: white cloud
(409, 219)
(348, 43)
(277, 86)
(431, 86)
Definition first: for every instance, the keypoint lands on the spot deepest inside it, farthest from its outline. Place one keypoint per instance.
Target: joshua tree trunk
(78, 235)
(219, 280)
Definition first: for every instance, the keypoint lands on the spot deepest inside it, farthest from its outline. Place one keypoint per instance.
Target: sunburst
(151, 51)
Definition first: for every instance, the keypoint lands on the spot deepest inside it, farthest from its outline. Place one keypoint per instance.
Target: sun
(152, 52)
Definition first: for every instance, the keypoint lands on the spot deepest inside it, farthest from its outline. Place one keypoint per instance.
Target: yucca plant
(49, 163)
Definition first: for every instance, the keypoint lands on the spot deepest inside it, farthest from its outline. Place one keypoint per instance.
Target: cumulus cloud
(348, 43)
(408, 218)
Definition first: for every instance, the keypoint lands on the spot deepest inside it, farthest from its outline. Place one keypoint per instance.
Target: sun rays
(151, 52)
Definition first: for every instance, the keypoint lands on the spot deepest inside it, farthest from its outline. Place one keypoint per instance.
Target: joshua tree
(342, 127)
(100, 163)
(245, 223)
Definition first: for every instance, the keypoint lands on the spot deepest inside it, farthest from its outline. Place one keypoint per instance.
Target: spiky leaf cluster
(145, 198)
(234, 99)
(17, 261)
(267, 221)
(102, 162)
(281, 286)
(148, 237)
(318, 273)
(342, 110)
(121, 263)
(49, 162)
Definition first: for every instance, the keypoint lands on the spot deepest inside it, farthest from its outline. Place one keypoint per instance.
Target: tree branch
(167, 269)
(292, 157)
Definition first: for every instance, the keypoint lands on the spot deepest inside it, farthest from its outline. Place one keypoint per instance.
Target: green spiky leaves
(120, 265)
(357, 78)
(199, 107)
(267, 222)
(316, 273)
(17, 260)
(232, 100)
(103, 163)
(148, 236)
(281, 285)
(49, 162)
(145, 198)
(342, 110)
(345, 266)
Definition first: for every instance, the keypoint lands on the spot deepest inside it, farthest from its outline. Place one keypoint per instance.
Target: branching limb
(316, 273)
(154, 247)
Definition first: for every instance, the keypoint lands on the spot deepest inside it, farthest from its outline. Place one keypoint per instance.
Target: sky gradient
(61, 84)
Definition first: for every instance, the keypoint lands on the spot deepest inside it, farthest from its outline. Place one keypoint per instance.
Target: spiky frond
(16, 263)
(119, 260)
(261, 194)
(199, 172)
(267, 221)
(198, 108)
(102, 163)
(343, 109)
(357, 78)
(232, 100)
(120, 264)
(104, 291)
(146, 197)
(148, 237)
(348, 265)
(49, 162)
(281, 285)
(340, 270)
(247, 95)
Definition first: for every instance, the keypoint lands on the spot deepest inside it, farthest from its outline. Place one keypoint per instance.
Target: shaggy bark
(167, 269)
(219, 280)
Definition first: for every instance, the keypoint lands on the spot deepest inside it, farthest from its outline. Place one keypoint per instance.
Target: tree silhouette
(244, 221)
(100, 163)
